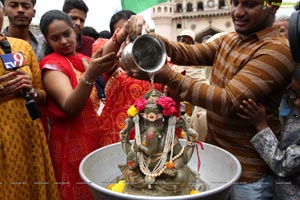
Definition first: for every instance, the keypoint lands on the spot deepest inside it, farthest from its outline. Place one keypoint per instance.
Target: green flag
(138, 6)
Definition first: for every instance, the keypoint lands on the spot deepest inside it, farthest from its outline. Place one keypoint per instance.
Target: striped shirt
(257, 66)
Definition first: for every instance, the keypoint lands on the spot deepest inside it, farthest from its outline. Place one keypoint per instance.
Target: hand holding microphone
(14, 81)
(25, 85)
(20, 79)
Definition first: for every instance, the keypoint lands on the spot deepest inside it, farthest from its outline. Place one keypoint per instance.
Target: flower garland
(167, 103)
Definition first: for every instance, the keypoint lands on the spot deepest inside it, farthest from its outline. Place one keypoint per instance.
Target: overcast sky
(100, 12)
(98, 16)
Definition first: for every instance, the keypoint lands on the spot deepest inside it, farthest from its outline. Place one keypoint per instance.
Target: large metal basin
(219, 169)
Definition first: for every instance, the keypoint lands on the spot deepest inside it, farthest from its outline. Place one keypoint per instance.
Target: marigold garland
(132, 111)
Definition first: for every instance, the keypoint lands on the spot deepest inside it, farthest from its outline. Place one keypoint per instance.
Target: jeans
(260, 190)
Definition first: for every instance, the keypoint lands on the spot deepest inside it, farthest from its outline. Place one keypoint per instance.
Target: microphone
(10, 64)
(31, 105)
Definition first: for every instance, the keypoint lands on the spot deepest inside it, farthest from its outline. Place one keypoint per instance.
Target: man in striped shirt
(252, 62)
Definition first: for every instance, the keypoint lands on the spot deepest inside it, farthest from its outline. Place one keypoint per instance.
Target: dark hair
(32, 1)
(47, 19)
(75, 4)
(104, 34)
(123, 14)
(90, 31)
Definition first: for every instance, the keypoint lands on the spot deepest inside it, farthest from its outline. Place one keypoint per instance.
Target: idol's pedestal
(219, 169)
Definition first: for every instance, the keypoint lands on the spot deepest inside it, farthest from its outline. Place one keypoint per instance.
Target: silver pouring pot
(146, 53)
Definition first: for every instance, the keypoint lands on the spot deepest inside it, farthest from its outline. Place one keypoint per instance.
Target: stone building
(203, 17)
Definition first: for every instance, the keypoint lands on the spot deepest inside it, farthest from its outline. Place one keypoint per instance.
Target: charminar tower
(203, 17)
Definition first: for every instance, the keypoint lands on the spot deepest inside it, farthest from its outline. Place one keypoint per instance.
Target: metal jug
(146, 53)
(294, 35)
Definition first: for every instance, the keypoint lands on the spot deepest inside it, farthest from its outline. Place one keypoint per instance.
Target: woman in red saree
(74, 125)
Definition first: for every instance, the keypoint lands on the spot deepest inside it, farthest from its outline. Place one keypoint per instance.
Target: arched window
(222, 4)
(179, 8)
(200, 6)
(178, 26)
(189, 7)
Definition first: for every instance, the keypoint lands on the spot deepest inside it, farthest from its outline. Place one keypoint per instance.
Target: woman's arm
(59, 87)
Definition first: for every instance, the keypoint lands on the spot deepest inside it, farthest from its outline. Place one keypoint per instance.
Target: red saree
(71, 139)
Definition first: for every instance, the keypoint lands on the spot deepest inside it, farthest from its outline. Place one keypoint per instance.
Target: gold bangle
(87, 82)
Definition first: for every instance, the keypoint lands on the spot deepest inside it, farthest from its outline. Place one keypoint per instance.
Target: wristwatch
(33, 93)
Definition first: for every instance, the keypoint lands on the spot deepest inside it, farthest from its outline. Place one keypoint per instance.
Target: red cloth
(71, 139)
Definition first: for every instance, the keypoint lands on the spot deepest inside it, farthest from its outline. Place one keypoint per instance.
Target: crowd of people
(244, 84)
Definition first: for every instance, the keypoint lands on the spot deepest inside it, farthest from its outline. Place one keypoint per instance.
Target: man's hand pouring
(134, 27)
